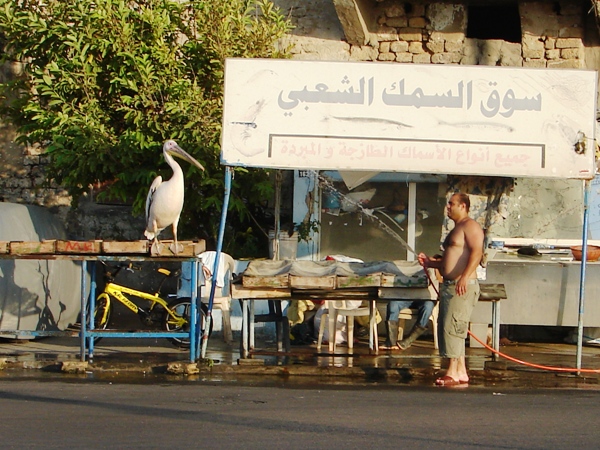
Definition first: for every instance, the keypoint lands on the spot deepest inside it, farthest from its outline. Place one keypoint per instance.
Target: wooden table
(489, 293)
(89, 252)
(371, 294)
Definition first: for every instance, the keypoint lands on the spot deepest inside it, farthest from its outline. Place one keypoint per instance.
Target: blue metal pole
(228, 178)
(586, 213)
(194, 328)
(89, 321)
(83, 307)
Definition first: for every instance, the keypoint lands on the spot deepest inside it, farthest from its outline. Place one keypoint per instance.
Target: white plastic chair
(343, 308)
(222, 299)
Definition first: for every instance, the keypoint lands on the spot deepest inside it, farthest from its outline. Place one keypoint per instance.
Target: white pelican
(165, 199)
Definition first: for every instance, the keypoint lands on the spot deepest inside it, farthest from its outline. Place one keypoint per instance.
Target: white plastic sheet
(36, 294)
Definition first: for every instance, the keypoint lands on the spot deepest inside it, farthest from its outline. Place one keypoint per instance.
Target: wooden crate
(32, 247)
(391, 280)
(370, 280)
(129, 247)
(187, 248)
(325, 282)
(78, 247)
(276, 281)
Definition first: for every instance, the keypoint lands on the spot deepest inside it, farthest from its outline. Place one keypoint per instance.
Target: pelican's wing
(155, 184)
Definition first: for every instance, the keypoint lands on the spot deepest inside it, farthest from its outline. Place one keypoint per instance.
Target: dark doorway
(494, 22)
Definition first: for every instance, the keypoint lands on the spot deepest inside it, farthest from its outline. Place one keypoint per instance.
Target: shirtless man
(459, 292)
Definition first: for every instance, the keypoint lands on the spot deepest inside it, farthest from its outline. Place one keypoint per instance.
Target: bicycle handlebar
(113, 271)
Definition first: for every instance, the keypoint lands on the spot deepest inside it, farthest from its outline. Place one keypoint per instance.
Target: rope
(520, 361)
(537, 366)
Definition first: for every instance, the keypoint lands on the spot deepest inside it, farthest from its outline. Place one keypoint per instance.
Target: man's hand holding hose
(435, 262)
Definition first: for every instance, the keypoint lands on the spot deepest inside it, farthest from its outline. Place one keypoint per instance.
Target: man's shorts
(454, 317)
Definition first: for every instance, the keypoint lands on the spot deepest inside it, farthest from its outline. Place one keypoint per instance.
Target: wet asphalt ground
(134, 399)
(157, 360)
(92, 414)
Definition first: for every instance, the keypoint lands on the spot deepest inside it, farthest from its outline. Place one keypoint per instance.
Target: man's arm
(474, 243)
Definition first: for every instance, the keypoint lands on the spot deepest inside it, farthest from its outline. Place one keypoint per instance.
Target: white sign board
(439, 119)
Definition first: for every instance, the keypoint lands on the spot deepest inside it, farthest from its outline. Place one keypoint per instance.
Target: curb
(183, 370)
(493, 375)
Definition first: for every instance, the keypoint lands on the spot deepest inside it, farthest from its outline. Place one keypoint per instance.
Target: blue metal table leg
(82, 331)
(89, 324)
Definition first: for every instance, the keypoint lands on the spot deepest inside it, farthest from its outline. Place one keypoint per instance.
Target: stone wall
(436, 33)
(22, 176)
(22, 168)
(22, 179)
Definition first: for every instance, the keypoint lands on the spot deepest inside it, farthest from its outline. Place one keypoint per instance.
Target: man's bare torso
(456, 252)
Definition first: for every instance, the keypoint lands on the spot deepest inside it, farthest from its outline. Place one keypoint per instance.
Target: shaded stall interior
(354, 223)
(535, 210)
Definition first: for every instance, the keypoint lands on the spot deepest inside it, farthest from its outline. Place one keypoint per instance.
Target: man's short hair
(463, 198)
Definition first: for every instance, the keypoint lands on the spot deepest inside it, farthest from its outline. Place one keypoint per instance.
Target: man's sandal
(449, 381)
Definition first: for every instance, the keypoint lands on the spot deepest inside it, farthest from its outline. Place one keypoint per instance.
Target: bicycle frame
(118, 292)
(178, 322)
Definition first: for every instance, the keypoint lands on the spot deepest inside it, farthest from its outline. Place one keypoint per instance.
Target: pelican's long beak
(178, 152)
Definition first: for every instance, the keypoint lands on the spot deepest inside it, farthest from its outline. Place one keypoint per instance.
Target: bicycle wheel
(180, 307)
(101, 313)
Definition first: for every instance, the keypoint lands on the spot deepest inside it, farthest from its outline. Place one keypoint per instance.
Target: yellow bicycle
(173, 316)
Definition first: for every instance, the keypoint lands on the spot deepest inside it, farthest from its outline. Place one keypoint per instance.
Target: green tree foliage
(105, 82)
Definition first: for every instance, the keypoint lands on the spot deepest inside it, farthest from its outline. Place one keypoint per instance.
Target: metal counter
(542, 290)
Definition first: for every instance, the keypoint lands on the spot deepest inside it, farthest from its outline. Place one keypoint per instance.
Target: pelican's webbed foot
(176, 248)
(156, 248)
